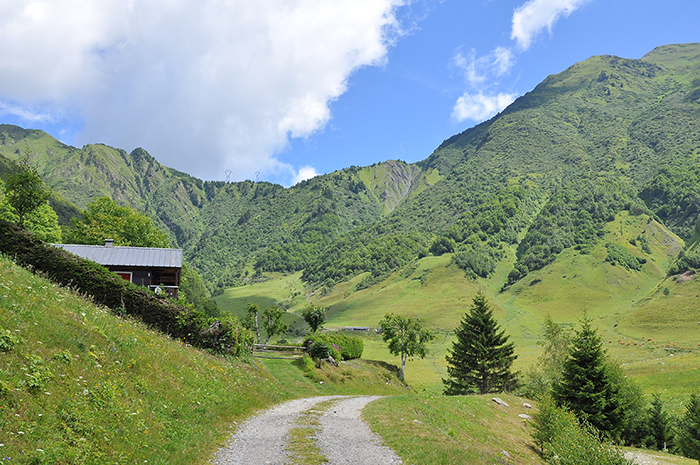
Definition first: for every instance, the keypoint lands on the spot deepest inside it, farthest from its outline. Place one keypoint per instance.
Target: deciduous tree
(406, 337)
(250, 322)
(104, 219)
(314, 316)
(42, 221)
(25, 190)
(481, 358)
(272, 322)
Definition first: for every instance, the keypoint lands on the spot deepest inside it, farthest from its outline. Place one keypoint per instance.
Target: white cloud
(305, 172)
(25, 113)
(478, 107)
(532, 17)
(478, 71)
(482, 74)
(204, 85)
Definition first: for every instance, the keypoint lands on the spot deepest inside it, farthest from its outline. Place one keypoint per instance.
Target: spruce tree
(689, 431)
(586, 387)
(481, 358)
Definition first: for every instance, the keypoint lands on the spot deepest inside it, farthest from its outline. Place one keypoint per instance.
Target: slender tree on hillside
(250, 322)
(314, 316)
(481, 358)
(272, 322)
(406, 337)
(547, 372)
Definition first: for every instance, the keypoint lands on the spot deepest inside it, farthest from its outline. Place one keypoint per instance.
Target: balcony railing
(170, 291)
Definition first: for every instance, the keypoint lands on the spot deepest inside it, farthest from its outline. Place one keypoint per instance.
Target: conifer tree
(587, 387)
(658, 424)
(689, 431)
(481, 358)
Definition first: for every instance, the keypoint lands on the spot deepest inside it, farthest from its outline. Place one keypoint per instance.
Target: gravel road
(342, 437)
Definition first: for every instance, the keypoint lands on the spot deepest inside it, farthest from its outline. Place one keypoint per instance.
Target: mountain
(546, 176)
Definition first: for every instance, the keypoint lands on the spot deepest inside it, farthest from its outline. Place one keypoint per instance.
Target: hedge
(350, 347)
(119, 295)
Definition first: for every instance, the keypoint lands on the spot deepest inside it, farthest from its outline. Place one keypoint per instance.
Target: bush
(108, 289)
(8, 340)
(319, 350)
(564, 441)
(687, 260)
(618, 255)
(348, 347)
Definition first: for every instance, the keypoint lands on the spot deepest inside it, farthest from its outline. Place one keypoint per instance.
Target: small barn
(157, 269)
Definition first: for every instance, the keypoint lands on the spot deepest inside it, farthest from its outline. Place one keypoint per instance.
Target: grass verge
(449, 430)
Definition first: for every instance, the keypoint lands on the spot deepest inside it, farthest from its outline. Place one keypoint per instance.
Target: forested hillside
(608, 135)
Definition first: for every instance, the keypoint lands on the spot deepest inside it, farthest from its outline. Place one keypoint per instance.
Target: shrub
(618, 255)
(564, 441)
(348, 347)
(8, 340)
(320, 350)
(38, 375)
(306, 363)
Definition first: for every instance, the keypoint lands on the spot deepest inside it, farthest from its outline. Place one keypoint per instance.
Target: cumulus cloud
(482, 73)
(304, 173)
(204, 85)
(532, 17)
(478, 107)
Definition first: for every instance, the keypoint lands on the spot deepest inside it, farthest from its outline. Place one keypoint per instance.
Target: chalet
(157, 269)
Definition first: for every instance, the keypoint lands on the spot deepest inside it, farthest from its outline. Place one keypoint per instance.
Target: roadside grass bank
(459, 429)
(80, 385)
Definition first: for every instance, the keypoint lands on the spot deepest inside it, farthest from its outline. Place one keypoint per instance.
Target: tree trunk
(402, 374)
(257, 327)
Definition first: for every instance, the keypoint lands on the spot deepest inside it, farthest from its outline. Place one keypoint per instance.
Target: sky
(284, 90)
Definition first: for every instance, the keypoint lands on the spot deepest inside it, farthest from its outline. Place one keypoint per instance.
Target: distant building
(157, 269)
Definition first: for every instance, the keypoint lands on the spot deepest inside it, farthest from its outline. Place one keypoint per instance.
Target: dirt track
(341, 435)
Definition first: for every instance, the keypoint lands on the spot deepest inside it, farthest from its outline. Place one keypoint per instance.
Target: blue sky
(281, 90)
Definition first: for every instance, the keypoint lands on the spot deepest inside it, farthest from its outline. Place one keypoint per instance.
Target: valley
(579, 200)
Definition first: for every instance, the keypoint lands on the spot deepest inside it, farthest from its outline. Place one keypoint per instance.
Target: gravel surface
(344, 438)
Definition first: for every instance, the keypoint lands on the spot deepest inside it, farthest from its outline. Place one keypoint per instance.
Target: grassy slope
(626, 306)
(84, 386)
(449, 430)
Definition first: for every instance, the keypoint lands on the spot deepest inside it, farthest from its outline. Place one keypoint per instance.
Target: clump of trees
(269, 319)
(106, 219)
(585, 401)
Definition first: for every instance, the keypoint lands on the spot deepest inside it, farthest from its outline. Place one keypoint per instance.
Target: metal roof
(126, 256)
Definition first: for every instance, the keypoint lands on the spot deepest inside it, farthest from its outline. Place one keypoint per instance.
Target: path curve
(344, 438)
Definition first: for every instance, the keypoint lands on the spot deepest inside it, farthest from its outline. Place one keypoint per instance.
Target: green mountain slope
(544, 176)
